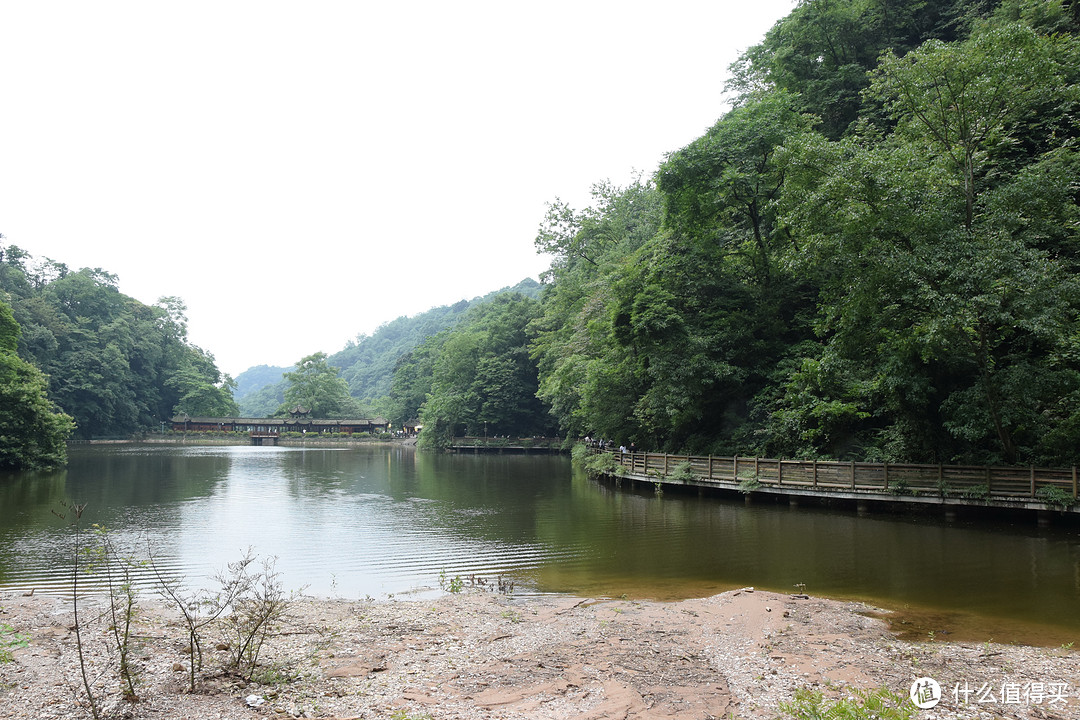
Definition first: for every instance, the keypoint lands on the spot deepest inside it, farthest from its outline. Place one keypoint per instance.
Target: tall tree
(201, 388)
(315, 386)
(721, 189)
(962, 102)
(572, 342)
(33, 434)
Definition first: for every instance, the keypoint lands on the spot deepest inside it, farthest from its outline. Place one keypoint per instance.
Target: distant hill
(366, 364)
(265, 401)
(256, 378)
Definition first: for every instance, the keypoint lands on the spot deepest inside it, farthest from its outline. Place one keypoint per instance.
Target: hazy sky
(302, 172)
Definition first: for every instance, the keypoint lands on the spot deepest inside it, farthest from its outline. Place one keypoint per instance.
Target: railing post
(632, 459)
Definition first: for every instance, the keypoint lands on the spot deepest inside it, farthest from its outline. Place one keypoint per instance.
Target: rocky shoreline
(472, 655)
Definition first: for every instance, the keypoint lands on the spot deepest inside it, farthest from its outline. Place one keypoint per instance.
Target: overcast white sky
(301, 172)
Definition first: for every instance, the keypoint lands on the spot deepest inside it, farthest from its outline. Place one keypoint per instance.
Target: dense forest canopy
(873, 255)
(113, 364)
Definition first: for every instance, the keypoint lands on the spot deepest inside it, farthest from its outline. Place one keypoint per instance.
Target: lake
(382, 520)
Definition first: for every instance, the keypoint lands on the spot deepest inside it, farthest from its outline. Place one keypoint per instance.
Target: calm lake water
(381, 520)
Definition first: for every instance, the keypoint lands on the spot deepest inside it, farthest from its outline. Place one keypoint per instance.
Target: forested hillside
(367, 364)
(477, 378)
(255, 378)
(113, 364)
(873, 255)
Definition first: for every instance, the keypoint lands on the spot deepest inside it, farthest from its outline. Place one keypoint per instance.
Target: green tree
(821, 52)
(33, 434)
(314, 384)
(947, 253)
(203, 391)
(411, 383)
(721, 189)
(572, 345)
(1048, 17)
(664, 336)
(483, 379)
(962, 102)
(116, 365)
(368, 363)
(896, 281)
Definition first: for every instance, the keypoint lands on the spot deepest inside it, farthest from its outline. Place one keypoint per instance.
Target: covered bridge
(298, 423)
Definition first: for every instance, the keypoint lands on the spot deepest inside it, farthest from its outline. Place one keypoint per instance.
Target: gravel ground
(483, 655)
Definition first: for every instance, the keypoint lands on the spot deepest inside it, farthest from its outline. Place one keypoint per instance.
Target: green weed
(682, 473)
(976, 492)
(865, 705)
(10, 641)
(406, 715)
(451, 584)
(749, 485)
(1055, 497)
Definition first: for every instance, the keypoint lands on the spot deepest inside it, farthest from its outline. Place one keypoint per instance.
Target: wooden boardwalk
(1029, 488)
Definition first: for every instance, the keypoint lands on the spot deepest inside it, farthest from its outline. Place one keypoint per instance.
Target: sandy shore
(483, 655)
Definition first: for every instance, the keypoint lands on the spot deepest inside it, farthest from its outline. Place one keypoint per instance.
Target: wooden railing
(968, 481)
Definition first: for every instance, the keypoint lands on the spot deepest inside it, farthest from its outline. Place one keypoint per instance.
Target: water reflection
(383, 519)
